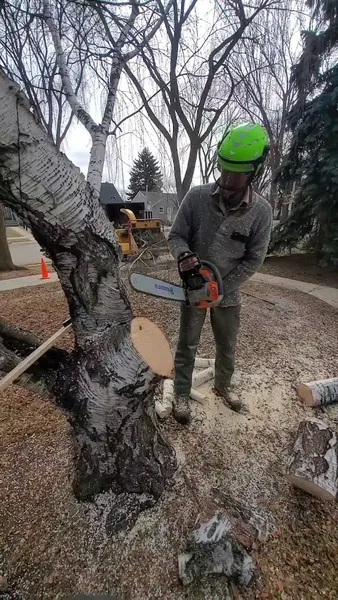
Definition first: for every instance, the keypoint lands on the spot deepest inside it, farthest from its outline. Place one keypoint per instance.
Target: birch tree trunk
(108, 391)
(6, 263)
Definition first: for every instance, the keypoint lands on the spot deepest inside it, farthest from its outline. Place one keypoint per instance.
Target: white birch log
(164, 407)
(319, 393)
(201, 377)
(197, 396)
(313, 465)
(204, 363)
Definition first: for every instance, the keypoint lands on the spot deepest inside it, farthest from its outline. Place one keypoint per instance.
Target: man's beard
(231, 197)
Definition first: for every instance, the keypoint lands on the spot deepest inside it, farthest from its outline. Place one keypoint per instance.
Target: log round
(313, 466)
(319, 393)
(152, 345)
(201, 377)
(204, 363)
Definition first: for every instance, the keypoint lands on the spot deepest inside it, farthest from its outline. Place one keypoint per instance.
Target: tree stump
(313, 466)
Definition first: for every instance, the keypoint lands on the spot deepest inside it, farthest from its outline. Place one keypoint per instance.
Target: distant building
(113, 202)
(158, 205)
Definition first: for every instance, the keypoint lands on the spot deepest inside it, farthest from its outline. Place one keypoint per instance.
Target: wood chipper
(138, 234)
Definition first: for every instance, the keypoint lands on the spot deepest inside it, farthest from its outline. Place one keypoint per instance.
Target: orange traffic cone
(44, 270)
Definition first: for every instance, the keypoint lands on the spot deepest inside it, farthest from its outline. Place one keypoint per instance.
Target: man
(229, 225)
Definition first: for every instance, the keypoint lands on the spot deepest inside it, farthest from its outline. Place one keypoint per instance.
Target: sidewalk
(21, 282)
(326, 294)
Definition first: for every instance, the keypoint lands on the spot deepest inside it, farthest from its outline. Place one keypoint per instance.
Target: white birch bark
(110, 388)
(319, 393)
(313, 464)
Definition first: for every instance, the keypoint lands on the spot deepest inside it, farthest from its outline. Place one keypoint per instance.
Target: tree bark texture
(108, 390)
(313, 465)
(319, 393)
(6, 263)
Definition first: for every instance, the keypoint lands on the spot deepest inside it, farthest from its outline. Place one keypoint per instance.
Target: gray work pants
(225, 324)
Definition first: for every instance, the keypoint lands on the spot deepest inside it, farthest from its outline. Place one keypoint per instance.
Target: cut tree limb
(164, 407)
(313, 465)
(32, 358)
(203, 376)
(204, 363)
(319, 393)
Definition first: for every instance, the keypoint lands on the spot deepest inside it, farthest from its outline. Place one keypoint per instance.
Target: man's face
(232, 184)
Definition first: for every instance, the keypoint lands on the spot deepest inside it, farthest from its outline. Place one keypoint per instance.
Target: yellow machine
(139, 233)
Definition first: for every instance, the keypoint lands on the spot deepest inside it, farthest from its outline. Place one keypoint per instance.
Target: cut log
(164, 407)
(13, 375)
(204, 363)
(202, 377)
(319, 393)
(152, 345)
(197, 396)
(313, 466)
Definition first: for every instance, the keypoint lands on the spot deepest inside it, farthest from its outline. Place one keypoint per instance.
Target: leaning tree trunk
(108, 392)
(6, 263)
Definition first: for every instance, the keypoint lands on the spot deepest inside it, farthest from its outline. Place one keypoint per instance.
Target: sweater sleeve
(181, 231)
(255, 253)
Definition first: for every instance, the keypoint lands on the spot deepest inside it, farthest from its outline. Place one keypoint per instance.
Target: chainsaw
(202, 285)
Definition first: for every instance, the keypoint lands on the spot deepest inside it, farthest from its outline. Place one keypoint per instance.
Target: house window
(148, 214)
(161, 210)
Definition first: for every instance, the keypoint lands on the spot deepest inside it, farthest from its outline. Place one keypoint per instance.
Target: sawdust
(53, 546)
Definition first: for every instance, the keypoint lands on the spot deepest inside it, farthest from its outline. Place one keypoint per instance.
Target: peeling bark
(105, 386)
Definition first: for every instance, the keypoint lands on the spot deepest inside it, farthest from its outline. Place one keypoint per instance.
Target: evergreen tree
(145, 174)
(312, 160)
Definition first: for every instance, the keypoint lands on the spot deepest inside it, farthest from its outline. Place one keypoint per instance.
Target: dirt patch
(54, 546)
(302, 267)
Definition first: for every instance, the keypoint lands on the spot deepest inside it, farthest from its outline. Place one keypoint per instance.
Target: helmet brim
(228, 166)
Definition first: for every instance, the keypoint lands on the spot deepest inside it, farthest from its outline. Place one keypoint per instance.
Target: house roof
(156, 197)
(110, 195)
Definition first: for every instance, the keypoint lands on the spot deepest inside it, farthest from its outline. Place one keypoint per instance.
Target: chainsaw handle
(216, 274)
(212, 278)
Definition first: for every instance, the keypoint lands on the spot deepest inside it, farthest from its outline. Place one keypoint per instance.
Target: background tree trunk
(6, 263)
(108, 391)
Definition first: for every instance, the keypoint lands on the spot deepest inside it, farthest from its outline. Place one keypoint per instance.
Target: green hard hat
(243, 148)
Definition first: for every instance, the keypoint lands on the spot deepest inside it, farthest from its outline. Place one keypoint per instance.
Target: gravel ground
(302, 267)
(53, 546)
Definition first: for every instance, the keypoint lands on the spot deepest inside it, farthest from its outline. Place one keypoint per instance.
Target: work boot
(230, 399)
(181, 409)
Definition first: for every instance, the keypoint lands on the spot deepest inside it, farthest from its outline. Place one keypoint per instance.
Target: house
(112, 203)
(158, 205)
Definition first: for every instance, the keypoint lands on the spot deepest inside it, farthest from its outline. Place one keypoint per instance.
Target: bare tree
(207, 154)
(263, 65)
(186, 68)
(27, 56)
(104, 386)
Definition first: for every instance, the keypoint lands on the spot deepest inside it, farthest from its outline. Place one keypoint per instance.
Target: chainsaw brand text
(164, 288)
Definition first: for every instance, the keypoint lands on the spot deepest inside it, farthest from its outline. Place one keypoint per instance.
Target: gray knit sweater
(234, 241)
